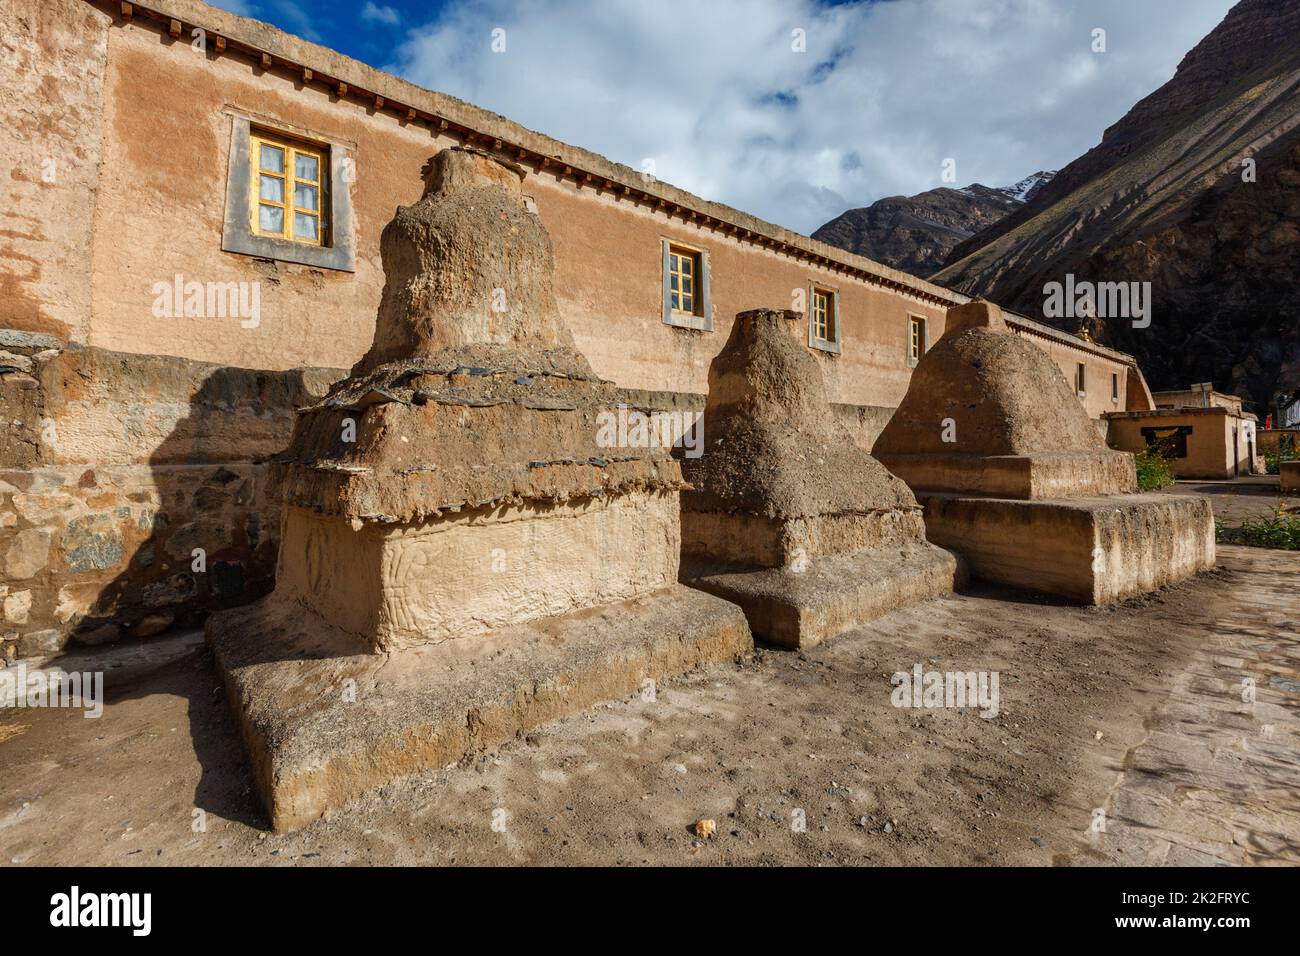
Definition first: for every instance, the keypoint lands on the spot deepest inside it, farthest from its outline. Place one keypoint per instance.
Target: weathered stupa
(1016, 478)
(459, 558)
(787, 517)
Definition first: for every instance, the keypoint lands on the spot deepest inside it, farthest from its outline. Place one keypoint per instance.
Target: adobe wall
(160, 177)
(1188, 398)
(1209, 446)
(117, 467)
(1270, 440)
(51, 104)
(165, 173)
(1289, 477)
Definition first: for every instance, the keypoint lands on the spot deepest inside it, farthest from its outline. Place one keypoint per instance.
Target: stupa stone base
(1090, 550)
(1040, 475)
(1290, 473)
(403, 584)
(325, 719)
(755, 539)
(833, 594)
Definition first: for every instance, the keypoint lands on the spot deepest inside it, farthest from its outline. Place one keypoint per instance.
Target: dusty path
(1134, 711)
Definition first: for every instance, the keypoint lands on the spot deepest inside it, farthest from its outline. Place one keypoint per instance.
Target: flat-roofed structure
(1202, 433)
(154, 201)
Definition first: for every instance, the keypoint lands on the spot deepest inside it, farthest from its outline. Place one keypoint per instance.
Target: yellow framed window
(684, 279)
(916, 339)
(288, 186)
(823, 315)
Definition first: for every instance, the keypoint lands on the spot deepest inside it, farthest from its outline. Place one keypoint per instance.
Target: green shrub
(1154, 470)
(1272, 459)
(1279, 531)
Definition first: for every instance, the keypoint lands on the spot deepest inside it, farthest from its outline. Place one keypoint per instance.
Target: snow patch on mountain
(1028, 187)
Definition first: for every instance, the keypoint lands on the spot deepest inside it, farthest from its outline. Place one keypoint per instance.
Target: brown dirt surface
(1133, 709)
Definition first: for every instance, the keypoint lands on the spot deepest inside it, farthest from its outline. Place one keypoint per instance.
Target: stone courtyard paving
(1215, 780)
(1132, 715)
(1234, 501)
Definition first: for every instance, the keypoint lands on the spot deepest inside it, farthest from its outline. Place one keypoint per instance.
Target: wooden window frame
(700, 317)
(677, 255)
(1169, 440)
(1114, 388)
(292, 148)
(338, 251)
(816, 340)
(915, 321)
(1081, 379)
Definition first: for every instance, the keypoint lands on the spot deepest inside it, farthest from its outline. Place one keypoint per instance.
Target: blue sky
(793, 110)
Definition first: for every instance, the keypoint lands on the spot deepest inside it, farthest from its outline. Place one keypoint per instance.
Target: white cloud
(714, 94)
(380, 14)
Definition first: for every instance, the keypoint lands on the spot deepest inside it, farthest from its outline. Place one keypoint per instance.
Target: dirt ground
(1132, 716)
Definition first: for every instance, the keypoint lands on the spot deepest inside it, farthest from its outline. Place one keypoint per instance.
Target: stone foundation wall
(132, 490)
(97, 554)
(116, 467)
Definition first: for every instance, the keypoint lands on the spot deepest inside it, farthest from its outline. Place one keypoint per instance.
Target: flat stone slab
(1042, 475)
(324, 721)
(1090, 550)
(834, 594)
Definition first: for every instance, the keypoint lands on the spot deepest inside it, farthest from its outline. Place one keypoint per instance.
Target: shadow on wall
(187, 535)
(132, 493)
(205, 536)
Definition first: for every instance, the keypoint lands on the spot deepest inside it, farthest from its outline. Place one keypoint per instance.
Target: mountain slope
(1162, 199)
(917, 233)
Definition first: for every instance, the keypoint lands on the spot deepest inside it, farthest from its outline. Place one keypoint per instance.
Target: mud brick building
(192, 204)
(1203, 433)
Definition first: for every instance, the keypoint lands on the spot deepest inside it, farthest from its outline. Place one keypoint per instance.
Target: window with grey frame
(824, 319)
(918, 339)
(686, 303)
(254, 185)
